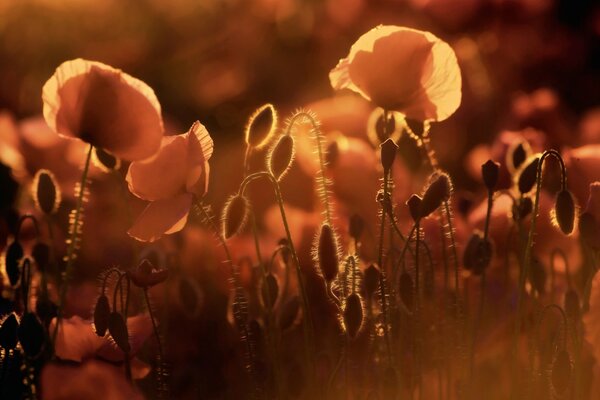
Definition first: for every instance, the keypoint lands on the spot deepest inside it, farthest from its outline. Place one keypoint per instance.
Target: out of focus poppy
(145, 275)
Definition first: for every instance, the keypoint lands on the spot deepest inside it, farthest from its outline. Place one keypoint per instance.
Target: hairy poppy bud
(528, 175)
(270, 290)
(104, 160)
(371, 280)
(478, 254)
(489, 172)
(101, 315)
(406, 290)
(235, 215)
(119, 332)
(357, 225)
(516, 155)
(564, 212)
(388, 154)
(46, 192)
(9, 332)
(353, 315)
(12, 262)
(261, 126)
(326, 255)
(289, 313)
(414, 207)
(280, 157)
(437, 192)
(561, 372)
(31, 335)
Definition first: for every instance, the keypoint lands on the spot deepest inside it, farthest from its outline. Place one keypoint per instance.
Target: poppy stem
(72, 242)
(159, 381)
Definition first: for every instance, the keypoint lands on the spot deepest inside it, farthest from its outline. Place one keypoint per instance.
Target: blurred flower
(145, 275)
(170, 180)
(104, 107)
(404, 70)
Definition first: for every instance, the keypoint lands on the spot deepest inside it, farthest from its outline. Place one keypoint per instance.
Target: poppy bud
(406, 290)
(281, 156)
(357, 225)
(478, 254)
(371, 280)
(235, 215)
(261, 126)
(564, 212)
(388, 154)
(12, 262)
(289, 313)
(489, 172)
(9, 336)
(589, 229)
(31, 335)
(104, 160)
(41, 255)
(353, 315)
(437, 192)
(414, 207)
(101, 315)
(326, 255)
(46, 192)
(561, 372)
(528, 175)
(119, 332)
(516, 155)
(379, 130)
(270, 290)
(145, 275)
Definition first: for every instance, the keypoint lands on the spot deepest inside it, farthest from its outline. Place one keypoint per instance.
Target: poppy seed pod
(101, 315)
(528, 175)
(478, 254)
(406, 290)
(117, 327)
(414, 206)
(353, 315)
(436, 193)
(9, 332)
(281, 156)
(356, 226)
(31, 335)
(104, 160)
(371, 280)
(490, 171)
(270, 290)
(12, 262)
(561, 372)
(564, 212)
(235, 215)
(388, 155)
(261, 126)
(46, 192)
(326, 255)
(289, 313)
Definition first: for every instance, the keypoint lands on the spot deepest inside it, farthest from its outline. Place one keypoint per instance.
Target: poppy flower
(104, 107)
(170, 180)
(402, 69)
(145, 275)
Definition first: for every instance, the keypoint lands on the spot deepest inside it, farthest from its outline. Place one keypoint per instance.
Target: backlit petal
(162, 217)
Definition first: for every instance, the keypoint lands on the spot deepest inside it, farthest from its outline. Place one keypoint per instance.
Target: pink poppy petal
(200, 149)
(76, 339)
(162, 217)
(164, 175)
(105, 107)
(140, 329)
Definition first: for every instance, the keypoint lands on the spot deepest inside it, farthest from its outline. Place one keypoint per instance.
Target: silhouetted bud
(270, 290)
(527, 177)
(516, 155)
(9, 332)
(119, 332)
(46, 192)
(564, 211)
(327, 256)
(280, 157)
(235, 214)
(12, 262)
(31, 335)
(261, 126)
(561, 372)
(101, 315)
(371, 280)
(437, 192)
(353, 315)
(388, 154)
(478, 254)
(414, 207)
(105, 161)
(145, 275)
(357, 225)
(522, 208)
(489, 172)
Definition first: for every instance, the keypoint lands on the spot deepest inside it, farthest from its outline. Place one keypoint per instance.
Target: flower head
(104, 107)
(402, 69)
(170, 180)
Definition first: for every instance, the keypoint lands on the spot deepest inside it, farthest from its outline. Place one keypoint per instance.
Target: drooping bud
(564, 212)
(101, 315)
(353, 315)
(414, 207)
(12, 262)
(490, 171)
(327, 253)
(235, 214)
(561, 372)
(261, 126)
(9, 332)
(356, 226)
(528, 175)
(388, 155)
(46, 192)
(31, 335)
(119, 332)
(478, 254)
(289, 313)
(104, 160)
(270, 290)
(437, 192)
(371, 280)
(281, 156)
